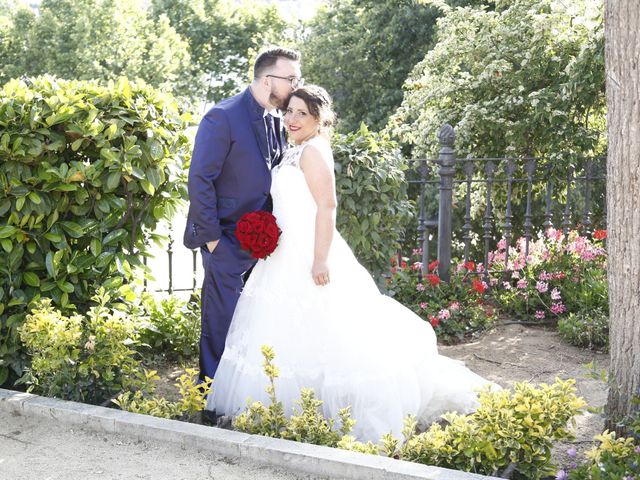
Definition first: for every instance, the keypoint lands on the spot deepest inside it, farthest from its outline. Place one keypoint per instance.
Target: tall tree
(622, 52)
(526, 78)
(223, 36)
(362, 50)
(94, 39)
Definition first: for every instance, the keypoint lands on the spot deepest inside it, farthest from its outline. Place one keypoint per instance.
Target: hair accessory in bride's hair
(258, 233)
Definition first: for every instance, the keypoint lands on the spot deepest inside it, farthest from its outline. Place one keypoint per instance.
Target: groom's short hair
(268, 58)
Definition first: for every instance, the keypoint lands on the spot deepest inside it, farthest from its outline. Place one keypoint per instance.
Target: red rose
(244, 227)
(258, 233)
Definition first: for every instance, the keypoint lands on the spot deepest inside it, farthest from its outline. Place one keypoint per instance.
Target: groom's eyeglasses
(294, 81)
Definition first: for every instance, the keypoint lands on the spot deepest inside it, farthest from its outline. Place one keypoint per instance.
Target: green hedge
(374, 209)
(86, 172)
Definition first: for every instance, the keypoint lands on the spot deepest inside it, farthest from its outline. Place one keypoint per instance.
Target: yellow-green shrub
(193, 398)
(84, 358)
(510, 429)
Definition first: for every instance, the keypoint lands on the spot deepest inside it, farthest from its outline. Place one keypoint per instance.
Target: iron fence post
(446, 160)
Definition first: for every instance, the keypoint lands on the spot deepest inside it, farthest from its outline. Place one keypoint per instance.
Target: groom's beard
(277, 102)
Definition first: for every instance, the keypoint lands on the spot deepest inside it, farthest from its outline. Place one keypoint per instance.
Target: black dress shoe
(208, 417)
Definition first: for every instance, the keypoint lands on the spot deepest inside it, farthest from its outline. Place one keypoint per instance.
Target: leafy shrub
(587, 329)
(86, 172)
(456, 309)
(308, 425)
(614, 459)
(510, 430)
(193, 398)
(171, 326)
(373, 206)
(83, 358)
(561, 274)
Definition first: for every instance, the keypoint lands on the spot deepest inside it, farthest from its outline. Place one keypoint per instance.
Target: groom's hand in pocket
(211, 246)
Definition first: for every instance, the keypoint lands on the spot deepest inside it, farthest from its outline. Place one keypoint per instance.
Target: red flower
(258, 233)
(434, 321)
(433, 265)
(434, 280)
(600, 234)
(478, 286)
(403, 264)
(470, 266)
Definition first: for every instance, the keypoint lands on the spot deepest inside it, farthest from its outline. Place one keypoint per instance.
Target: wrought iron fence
(466, 205)
(490, 199)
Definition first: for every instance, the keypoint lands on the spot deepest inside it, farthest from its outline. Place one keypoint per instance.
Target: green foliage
(508, 429)
(94, 39)
(86, 173)
(223, 37)
(524, 79)
(457, 309)
(587, 329)
(372, 192)
(306, 425)
(361, 51)
(193, 398)
(613, 459)
(171, 326)
(83, 358)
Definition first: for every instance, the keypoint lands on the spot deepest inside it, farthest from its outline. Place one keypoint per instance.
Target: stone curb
(294, 456)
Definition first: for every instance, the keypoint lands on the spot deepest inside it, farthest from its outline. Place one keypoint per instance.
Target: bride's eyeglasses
(295, 82)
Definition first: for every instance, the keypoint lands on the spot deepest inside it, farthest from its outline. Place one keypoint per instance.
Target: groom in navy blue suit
(238, 142)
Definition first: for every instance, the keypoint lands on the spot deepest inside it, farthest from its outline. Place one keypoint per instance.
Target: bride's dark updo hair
(319, 104)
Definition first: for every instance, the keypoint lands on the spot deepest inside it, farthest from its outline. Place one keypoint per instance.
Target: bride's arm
(321, 181)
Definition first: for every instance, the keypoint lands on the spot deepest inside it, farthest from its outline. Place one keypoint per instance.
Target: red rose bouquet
(258, 233)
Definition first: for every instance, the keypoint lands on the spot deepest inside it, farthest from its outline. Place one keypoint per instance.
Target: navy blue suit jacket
(229, 173)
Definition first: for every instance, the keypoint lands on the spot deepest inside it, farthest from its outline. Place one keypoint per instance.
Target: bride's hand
(320, 273)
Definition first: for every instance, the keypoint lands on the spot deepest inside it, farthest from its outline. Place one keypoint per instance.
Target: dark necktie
(272, 139)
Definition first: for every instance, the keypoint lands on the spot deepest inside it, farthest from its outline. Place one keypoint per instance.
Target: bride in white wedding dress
(321, 311)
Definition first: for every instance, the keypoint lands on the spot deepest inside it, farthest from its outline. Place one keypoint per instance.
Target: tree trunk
(622, 55)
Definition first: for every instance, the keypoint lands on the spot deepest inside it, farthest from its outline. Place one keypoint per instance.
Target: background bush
(372, 196)
(86, 173)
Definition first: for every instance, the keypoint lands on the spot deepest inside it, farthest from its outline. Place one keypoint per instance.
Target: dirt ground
(512, 353)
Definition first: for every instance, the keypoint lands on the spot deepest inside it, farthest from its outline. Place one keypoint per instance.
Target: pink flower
(522, 283)
(416, 266)
(454, 306)
(515, 274)
(542, 287)
(544, 276)
(420, 287)
(539, 314)
(558, 308)
(506, 285)
(416, 252)
(493, 281)
(555, 294)
(423, 305)
(444, 314)
(502, 244)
